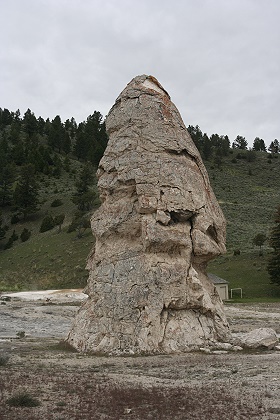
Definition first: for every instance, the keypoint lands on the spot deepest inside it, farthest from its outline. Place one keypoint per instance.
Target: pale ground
(235, 385)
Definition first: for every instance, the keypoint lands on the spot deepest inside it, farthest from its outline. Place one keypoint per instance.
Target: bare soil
(36, 363)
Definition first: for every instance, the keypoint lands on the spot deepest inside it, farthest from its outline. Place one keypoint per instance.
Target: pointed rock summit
(158, 226)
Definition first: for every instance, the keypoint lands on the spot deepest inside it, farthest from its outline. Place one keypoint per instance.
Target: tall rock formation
(158, 226)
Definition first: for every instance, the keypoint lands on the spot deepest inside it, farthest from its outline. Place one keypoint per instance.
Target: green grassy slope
(248, 192)
(49, 259)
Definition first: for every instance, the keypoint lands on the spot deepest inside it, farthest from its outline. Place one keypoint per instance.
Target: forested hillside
(48, 192)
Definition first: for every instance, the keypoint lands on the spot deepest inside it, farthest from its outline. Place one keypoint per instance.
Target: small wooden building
(221, 286)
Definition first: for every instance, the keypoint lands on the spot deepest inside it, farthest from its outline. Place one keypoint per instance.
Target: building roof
(216, 280)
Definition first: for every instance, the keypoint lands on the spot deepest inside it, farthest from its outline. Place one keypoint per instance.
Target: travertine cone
(158, 226)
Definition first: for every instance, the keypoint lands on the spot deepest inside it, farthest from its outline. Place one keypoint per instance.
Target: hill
(246, 184)
(249, 193)
(52, 259)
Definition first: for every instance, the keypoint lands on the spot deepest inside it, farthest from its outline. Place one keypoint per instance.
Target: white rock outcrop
(260, 338)
(158, 226)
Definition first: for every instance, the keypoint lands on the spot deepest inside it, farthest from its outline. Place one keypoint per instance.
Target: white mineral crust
(158, 226)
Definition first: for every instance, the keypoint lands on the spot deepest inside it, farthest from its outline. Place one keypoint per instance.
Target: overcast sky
(218, 59)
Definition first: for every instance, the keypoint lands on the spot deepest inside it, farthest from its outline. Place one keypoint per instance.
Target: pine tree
(84, 196)
(26, 191)
(259, 145)
(240, 143)
(273, 267)
(56, 133)
(7, 177)
(196, 135)
(30, 123)
(2, 229)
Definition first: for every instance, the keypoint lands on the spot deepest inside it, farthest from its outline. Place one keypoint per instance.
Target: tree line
(30, 145)
(217, 146)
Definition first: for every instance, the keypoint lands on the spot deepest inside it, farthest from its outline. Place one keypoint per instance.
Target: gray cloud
(218, 59)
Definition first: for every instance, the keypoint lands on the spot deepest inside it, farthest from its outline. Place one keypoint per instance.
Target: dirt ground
(37, 367)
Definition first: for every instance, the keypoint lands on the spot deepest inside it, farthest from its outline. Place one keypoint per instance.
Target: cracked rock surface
(158, 226)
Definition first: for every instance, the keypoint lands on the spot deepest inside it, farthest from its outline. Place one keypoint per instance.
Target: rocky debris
(220, 348)
(260, 338)
(158, 226)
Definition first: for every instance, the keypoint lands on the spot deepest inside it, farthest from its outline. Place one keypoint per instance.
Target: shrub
(25, 235)
(23, 400)
(56, 203)
(47, 224)
(58, 220)
(14, 236)
(4, 358)
(15, 219)
(251, 156)
(9, 243)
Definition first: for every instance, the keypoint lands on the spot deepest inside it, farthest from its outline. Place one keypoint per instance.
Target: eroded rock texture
(158, 226)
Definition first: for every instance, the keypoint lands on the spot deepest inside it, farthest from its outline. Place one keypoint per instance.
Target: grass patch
(63, 346)
(253, 300)
(49, 261)
(247, 271)
(4, 358)
(23, 399)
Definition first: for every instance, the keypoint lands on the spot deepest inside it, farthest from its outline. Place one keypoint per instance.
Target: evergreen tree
(81, 146)
(240, 143)
(26, 191)
(71, 127)
(47, 223)
(6, 117)
(273, 267)
(206, 147)
(18, 154)
(41, 126)
(91, 139)
(259, 145)
(66, 142)
(7, 178)
(55, 134)
(84, 196)
(222, 146)
(25, 235)
(2, 229)
(274, 147)
(80, 224)
(30, 123)
(15, 132)
(196, 135)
